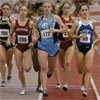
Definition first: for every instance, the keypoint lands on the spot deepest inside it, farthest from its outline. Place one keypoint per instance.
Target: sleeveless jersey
(85, 29)
(23, 36)
(46, 37)
(67, 23)
(4, 29)
(23, 33)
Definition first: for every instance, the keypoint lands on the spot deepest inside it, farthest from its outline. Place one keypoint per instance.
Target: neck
(5, 16)
(65, 15)
(84, 18)
(47, 16)
(22, 18)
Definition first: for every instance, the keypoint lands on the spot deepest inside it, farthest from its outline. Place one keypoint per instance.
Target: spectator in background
(77, 5)
(99, 2)
(18, 4)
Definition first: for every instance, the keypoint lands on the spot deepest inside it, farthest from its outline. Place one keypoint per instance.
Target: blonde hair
(52, 4)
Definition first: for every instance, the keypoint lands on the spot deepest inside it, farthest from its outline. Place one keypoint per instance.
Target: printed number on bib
(86, 39)
(65, 35)
(4, 32)
(46, 34)
(22, 39)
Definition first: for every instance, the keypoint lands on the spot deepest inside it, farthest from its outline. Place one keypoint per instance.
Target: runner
(67, 47)
(6, 48)
(47, 45)
(25, 39)
(83, 31)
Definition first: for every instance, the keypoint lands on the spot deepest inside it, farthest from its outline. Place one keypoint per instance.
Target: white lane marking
(40, 96)
(95, 89)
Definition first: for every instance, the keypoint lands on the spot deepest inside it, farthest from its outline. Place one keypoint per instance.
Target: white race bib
(86, 39)
(4, 32)
(22, 39)
(46, 34)
(65, 35)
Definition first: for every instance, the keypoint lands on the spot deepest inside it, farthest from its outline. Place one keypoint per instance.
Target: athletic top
(4, 28)
(85, 29)
(46, 37)
(67, 23)
(23, 33)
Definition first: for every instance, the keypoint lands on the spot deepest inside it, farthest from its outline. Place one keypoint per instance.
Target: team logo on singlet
(45, 26)
(22, 39)
(4, 32)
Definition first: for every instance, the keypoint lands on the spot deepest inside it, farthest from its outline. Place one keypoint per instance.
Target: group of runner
(56, 35)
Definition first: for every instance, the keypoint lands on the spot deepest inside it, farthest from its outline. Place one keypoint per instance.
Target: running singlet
(23, 36)
(4, 29)
(67, 23)
(66, 42)
(85, 29)
(46, 37)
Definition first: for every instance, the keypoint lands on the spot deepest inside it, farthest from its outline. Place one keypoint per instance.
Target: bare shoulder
(57, 18)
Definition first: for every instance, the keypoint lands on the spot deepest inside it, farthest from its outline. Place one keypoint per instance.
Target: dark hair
(60, 9)
(6, 4)
(78, 8)
(83, 4)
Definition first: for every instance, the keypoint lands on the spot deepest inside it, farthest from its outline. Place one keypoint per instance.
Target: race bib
(46, 34)
(86, 39)
(22, 39)
(65, 35)
(4, 32)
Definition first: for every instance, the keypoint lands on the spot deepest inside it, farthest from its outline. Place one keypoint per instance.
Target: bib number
(86, 39)
(4, 32)
(65, 35)
(46, 34)
(22, 39)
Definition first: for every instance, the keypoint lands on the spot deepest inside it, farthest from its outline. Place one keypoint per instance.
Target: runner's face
(66, 8)
(84, 11)
(6, 10)
(23, 11)
(47, 8)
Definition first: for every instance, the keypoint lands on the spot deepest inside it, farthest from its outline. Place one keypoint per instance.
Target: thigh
(3, 54)
(69, 53)
(18, 58)
(79, 60)
(43, 58)
(89, 58)
(61, 55)
(52, 61)
(10, 54)
(27, 59)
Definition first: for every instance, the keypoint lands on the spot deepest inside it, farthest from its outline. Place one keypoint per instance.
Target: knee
(27, 69)
(2, 59)
(9, 64)
(67, 64)
(87, 70)
(80, 71)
